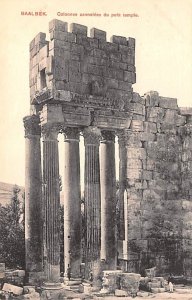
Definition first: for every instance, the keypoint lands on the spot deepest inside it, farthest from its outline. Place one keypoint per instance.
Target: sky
(163, 33)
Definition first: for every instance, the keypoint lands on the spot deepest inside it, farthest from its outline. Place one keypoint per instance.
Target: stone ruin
(82, 85)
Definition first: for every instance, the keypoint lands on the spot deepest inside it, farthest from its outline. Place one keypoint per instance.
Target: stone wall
(158, 188)
(72, 64)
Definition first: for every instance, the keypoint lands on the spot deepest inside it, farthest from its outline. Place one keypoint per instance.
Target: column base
(52, 286)
(72, 281)
(34, 278)
(51, 290)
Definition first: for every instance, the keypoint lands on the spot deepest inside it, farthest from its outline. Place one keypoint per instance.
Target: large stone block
(137, 125)
(168, 128)
(131, 42)
(147, 175)
(155, 114)
(78, 29)
(185, 111)
(63, 36)
(124, 86)
(150, 164)
(98, 34)
(168, 103)
(150, 196)
(146, 136)
(137, 108)
(10, 288)
(110, 281)
(134, 164)
(121, 293)
(108, 47)
(136, 153)
(137, 98)
(134, 174)
(127, 58)
(170, 116)
(58, 25)
(130, 77)
(87, 42)
(119, 40)
(150, 127)
(138, 117)
(180, 120)
(152, 98)
(130, 283)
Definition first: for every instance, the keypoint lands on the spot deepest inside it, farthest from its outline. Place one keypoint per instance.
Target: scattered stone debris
(142, 294)
(12, 289)
(31, 294)
(121, 293)
(15, 277)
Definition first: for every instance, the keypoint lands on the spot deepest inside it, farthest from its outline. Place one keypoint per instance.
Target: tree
(12, 241)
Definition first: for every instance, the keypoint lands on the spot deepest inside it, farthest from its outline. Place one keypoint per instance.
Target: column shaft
(92, 203)
(72, 204)
(122, 185)
(108, 201)
(51, 207)
(33, 198)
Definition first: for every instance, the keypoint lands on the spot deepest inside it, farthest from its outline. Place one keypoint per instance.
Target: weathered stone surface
(168, 103)
(110, 281)
(136, 153)
(77, 28)
(121, 293)
(152, 98)
(98, 34)
(185, 111)
(10, 288)
(142, 294)
(155, 114)
(119, 40)
(130, 283)
(57, 25)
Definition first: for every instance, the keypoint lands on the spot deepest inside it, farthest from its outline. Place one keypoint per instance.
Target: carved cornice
(92, 135)
(31, 125)
(51, 131)
(107, 136)
(71, 133)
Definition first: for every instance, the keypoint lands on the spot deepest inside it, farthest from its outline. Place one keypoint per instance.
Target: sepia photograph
(96, 149)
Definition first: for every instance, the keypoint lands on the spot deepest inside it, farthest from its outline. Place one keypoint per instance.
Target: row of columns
(42, 211)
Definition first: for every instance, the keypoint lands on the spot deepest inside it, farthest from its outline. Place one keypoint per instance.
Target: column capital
(92, 135)
(50, 131)
(107, 136)
(71, 133)
(31, 125)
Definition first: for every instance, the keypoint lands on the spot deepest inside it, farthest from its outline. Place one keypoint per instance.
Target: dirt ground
(186, 294)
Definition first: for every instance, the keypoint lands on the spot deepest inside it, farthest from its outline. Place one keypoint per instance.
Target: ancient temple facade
(82, 85)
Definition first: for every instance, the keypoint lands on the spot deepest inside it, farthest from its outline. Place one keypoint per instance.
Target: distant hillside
(6, 192)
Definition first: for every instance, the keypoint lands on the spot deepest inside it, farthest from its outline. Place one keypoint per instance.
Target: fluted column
(108, 200)
(51, 206)
(122, 184)
(92, 202)
(33, 199)
(72, 205)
